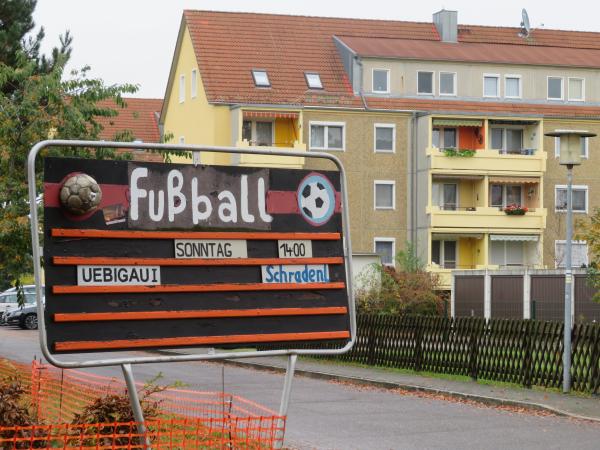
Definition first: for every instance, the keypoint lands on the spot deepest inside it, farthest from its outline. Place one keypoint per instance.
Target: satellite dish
(525, 26)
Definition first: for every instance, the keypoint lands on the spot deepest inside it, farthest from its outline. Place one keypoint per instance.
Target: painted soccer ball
(315, 200)
(80, 194)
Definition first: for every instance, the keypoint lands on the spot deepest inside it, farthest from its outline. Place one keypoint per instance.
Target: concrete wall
(363, 166)
(403, 78)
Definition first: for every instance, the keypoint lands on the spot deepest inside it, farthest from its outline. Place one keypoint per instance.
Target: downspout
(413, 183)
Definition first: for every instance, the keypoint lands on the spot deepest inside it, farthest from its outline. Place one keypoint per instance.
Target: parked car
(8, 302)
(25, 317)
(8, 298)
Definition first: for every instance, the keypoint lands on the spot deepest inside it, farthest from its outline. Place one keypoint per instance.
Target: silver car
(10, 312)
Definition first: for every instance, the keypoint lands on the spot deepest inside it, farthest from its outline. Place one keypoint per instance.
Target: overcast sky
(133, 40)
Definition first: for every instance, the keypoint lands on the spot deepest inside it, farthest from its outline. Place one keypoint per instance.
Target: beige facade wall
(586, 174)
(469, 78)
(364, 166)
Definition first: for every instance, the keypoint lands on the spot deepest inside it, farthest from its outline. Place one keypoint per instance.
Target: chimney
(446, 23)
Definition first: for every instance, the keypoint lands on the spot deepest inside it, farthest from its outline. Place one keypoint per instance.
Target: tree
(38, 100)
(589, 231)
(408, 290)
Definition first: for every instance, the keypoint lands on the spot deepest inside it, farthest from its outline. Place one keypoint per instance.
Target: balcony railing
(249, 159)
(528, 161)
(485, 218)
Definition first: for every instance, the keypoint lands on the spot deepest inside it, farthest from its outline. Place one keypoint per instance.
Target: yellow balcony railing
(492, 161)
(486, 218)
(292, 162)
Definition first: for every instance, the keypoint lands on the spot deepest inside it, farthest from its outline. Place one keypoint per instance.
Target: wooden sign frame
(346, 244)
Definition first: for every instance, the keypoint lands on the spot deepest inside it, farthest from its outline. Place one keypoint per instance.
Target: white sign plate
(210, 248)
(294, 248)
(118, 275)
(307, 273)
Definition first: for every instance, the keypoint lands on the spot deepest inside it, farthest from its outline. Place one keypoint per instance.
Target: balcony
(485, 218)
(290, 162)
(489, 161)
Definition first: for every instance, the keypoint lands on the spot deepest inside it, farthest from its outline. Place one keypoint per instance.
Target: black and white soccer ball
(80, 194)
(315, 200)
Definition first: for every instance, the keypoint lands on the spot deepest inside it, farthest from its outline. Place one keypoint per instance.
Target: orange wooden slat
(117, 261)
(198, 314)
(197, 340)
(232, 235)
(224, 287)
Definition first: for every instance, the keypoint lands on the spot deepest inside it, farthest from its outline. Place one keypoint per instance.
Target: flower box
(515, 210)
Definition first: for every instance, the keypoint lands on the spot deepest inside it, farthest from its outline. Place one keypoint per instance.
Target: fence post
(372, 339)
(418, 334)
(473, 348)
(595, 361)
(526, 348)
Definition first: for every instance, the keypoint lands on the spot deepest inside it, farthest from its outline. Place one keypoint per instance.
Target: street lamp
(570, 155)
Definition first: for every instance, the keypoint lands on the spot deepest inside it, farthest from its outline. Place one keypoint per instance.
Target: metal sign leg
(285, 398)
(134, 400)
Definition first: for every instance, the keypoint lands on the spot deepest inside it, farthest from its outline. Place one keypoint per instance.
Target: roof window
(261, 79)
(313, 80)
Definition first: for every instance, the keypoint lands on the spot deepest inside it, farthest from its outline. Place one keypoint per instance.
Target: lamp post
(570, 155)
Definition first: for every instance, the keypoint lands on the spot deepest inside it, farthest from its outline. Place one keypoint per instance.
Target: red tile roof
(138, 117)
(229, 45)
(473, 52)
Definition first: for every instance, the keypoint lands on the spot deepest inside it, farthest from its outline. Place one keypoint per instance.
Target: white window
(512, 86)
(508, 140)
(443, 253)
(576, 89)
(385, 138)
(425, 83)
(579, 199)
(381, 81)
(502, 195)
(507, 253)
(258, 132)
(386, 249)
(555, 88)
(313, 80)
(447, 83)
(445, 195)
(181, 88)
(385, 194)
(491, 85)
(194, 88)
(261, 78)
(327, 135)
(444, 138)
(579, 254)
(585, 144)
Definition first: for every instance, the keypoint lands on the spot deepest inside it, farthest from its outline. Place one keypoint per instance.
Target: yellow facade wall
(466, 253)
(194, 119)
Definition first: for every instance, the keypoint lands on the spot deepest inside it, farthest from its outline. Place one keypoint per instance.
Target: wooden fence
(525, 352)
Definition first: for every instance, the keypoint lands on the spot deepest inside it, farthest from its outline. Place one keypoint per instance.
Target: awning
(457, 122)
(270, 115)
(514, 180)
(455, 236)
(514, 237)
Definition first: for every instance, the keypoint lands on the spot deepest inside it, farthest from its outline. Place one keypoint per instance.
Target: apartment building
(440, 125)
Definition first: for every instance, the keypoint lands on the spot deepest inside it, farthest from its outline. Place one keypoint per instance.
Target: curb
(486, 400)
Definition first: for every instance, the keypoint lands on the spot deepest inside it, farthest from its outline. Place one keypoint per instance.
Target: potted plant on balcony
(460, 152)
(515, 210)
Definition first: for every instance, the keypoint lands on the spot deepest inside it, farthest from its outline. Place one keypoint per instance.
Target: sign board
(148, 255)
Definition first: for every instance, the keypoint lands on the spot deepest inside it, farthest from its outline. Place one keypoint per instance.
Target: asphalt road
(325, 415)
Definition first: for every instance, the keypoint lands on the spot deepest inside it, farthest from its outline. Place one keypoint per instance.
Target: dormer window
(313, 80)
(261, 79)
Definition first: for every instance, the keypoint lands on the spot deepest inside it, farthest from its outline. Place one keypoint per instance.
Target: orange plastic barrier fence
(189, 418)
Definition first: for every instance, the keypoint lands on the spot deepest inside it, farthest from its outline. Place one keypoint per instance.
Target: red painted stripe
(129, 234)
(112, 194)
(196, 340)
(286, 202)
(117, 261)
(222, 287)
(201, 314)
